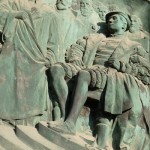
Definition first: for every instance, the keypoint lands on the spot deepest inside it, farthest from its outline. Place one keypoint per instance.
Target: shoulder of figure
(96, 36)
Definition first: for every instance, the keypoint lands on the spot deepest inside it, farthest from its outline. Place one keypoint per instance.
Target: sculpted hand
(114, 63)
(21, 15)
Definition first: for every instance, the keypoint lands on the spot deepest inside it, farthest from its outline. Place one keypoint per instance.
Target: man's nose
(110, 20)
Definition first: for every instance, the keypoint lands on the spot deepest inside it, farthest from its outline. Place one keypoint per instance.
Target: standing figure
(68, 27)
(24, 89)
(88, 17)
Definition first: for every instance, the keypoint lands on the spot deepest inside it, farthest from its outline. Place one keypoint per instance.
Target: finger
(110, 62)
(111, 59)
(79, 62)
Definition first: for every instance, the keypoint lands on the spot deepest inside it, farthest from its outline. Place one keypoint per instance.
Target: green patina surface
(83, 68)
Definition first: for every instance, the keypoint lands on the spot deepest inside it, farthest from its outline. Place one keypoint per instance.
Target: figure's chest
(108, 44)
(107, 47)
(114, 48)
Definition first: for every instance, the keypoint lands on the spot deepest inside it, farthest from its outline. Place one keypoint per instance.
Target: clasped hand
(114, 63)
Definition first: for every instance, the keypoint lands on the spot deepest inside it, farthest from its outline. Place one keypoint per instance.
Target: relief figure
(108, 66)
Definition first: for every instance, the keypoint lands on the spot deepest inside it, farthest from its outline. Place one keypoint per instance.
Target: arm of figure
(50, 58)
(52, 43)
(75, 53)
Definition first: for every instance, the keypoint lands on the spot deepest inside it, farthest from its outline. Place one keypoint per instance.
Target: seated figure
(116, 67)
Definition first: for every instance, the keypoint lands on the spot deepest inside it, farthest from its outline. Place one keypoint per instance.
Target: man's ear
(124, 26)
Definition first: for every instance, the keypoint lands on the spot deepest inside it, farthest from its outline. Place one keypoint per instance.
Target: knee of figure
(55, 103)
(84, 75)
(104, 121)
(57, 71)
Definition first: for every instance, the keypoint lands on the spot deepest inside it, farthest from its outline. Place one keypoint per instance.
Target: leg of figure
(60, 86)
(80, 96)
(103, 132)
(128, 128)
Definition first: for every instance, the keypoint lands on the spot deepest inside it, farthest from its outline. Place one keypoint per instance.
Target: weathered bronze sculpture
(23, 55)
(74, 74)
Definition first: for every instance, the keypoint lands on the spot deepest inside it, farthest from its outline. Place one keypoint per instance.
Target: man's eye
(114, 17)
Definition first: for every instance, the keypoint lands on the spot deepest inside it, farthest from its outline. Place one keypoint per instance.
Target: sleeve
(75, 53)
(53, 42)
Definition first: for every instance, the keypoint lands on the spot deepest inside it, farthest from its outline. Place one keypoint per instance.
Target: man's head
(118, 22)
(102, 11)
(63, 4)
(86, 7)
(136, 24)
